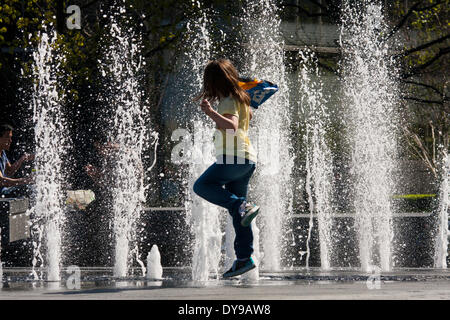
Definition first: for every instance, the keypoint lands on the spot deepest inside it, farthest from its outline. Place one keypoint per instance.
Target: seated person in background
(11, 187)
(106, 153)
(90, 230)
(99, 173)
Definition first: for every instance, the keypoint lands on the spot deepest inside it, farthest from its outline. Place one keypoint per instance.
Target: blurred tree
(425, 26)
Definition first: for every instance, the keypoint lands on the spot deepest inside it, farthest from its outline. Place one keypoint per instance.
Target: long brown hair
(221, 79)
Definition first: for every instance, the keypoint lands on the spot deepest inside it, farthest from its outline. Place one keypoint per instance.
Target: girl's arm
(226, 121)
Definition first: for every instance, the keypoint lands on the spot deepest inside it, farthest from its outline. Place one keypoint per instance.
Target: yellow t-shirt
(234, 144)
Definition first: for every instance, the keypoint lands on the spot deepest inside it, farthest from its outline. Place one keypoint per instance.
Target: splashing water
(371, 96)
(129, 137)
(270, 133)
(319, 166)
(51, 145)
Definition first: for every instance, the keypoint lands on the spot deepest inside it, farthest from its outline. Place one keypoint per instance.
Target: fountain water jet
(51, 145)
(371, 96)
(128, 135)
(271, 124)
(319, 165)
(154, 268)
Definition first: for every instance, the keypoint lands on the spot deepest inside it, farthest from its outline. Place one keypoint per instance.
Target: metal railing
(307, 215)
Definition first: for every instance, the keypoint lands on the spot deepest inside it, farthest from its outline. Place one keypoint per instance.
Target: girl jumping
(225, 182)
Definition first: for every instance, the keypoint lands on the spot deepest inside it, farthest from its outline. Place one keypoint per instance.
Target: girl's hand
(206, 106)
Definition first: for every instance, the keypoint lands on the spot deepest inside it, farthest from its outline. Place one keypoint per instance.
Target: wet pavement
(176, 284)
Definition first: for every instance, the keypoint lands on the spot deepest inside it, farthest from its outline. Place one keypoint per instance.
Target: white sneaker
(250, 212)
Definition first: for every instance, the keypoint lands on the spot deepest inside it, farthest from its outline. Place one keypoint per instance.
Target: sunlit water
(50, 135)
(129, 132)
(370, 96)
(319, 164)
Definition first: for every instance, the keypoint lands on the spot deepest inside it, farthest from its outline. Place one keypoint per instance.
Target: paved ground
(293, 285)
(435, 290)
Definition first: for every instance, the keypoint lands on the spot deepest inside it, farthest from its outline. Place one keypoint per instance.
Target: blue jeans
(235, 178)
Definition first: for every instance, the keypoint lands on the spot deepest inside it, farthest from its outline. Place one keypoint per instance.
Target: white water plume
(370, 96)
(319, 165)
(128, 137)
(50, 135)
(154, 267)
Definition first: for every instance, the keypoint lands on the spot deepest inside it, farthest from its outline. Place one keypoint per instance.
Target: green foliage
(429, 22)
(20, 21)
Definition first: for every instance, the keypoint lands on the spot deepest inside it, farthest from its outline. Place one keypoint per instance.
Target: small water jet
(154, 268)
